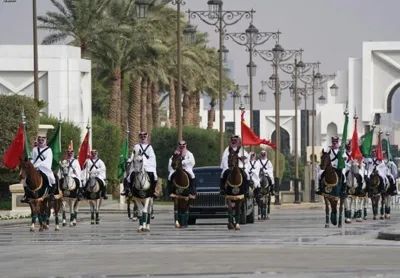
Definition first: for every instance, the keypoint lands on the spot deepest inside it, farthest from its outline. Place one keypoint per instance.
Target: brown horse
(375, 188)
(180, 191)
(36, 185)
(331, 190)
(235, 190)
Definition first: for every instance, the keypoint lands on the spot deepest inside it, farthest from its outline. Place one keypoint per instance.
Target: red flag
(15, 150)
(84, 150)
(355, 148)
(379, 153)
(249, 138)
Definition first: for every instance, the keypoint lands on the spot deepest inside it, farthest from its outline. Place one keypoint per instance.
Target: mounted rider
(74, 170)
(188, 163)
(235, 145)
(42, 158)
(349, 160)
(391, 174)
(146, 150)
(333, 151)
(95, 165)
(267, 167)
(253, 168)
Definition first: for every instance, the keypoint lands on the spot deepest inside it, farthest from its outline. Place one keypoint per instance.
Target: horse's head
(68, 182)
(93, 185)
(64, 168)
(263, 178)
(325, 160)
(32, 177)
(176, 161)
(137, 162)
(355, 166)
(233, 159)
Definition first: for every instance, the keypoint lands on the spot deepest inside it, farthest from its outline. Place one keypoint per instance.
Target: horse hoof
(259, 218)
(230, 226)
(92, 222)
(152, 216)
(32, 230)
(134, 219)
(140, 229)
(97, 222)
(267, 218)
(365, 218)
(347, 221)
(381, 218)
(177, 225)
(326, 225)
(74, 224)
(237, 227)
(40, 229)
(64, 224)
(57, 229)
(374, 218)
(358, 220)
(387, 216)
(339, 226)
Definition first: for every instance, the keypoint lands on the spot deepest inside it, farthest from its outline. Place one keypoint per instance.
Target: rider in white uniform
(74, 169)
(95, 165)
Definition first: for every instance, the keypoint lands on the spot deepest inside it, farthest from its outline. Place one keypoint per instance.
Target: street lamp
(235, 95)
(316, 80)
(250, 39)
(220, 18)
(277, 55)
(35, 51)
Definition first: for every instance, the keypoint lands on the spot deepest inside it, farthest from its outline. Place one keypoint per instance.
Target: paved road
(293, 243)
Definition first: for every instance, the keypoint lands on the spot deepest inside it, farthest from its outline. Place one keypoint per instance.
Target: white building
(64, 79)
(367, 86)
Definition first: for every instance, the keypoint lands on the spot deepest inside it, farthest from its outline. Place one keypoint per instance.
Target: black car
(209, 203)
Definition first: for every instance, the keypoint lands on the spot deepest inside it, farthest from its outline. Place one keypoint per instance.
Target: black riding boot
(125, 192)
(104, 193)
(24, 198)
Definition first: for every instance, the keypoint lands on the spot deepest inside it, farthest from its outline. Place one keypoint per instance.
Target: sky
(329, 31)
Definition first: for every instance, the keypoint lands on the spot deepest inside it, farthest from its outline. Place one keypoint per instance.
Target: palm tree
(75, 20)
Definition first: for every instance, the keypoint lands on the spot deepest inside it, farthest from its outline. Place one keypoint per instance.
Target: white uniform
(149, 159)
(253, 168)
(74, 169)
(267, 167)
(42, 158)
(188, 163)
(95, 166)
(224, 162)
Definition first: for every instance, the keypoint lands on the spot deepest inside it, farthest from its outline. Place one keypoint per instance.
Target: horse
(69, 187)
(264, 196)
(141, 191)
(235, 190)
(92, 194)
(331, 190)
(389, 190)
(36, 184)
(181, 194)
(356, 193)
(375, 188)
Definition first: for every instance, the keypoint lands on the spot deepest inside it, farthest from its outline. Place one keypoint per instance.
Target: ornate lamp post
(250, 39)
(316, 79)
(277, 55)
(189, 33)
(220, 18)
(35, 50)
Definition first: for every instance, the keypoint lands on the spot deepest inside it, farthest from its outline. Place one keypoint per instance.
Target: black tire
(250, 217)
(192, 221)
(243, 215)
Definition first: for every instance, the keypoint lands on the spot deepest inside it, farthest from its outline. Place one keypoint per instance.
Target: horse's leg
(139, 205)
(333, 216)
(238, 207)
(341, 201)
(387, 206)
(98, 205)
(259, 207)
(185, 213)
(268, 208)
(34, 216)
(146, 215)
(359, 209)
(364, 206)
(382, 206)
(63, 216)
(76, 209)
(347, 210)
(230, 215)
(374, 204)
(92, 208)
(152, 208)
(128, 208)
(57, 205)
(176, 213)
(326, 211)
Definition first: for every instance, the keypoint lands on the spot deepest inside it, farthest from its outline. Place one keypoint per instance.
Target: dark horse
(36, 184)
(332, 189)
(264, 196)
(235, 188)
(375, 188)
(181, 191)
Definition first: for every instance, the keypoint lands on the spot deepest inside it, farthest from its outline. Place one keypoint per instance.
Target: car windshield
(208, 178)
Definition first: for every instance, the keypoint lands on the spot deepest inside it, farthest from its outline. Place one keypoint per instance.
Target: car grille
(209, 200)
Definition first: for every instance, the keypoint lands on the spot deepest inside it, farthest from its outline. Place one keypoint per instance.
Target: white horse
(356, 193)
(264, 196)
(141, 186)
(69, 187)
(93, 197)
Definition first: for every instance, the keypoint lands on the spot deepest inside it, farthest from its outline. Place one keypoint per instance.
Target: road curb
(389, 235)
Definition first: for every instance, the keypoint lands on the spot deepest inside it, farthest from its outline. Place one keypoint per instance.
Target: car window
(208, 178)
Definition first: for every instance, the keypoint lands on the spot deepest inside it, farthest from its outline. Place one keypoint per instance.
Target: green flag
(28, 149)
(386, 145)
(123, 157)
(341, 160)
(55, 146)
(366, 145)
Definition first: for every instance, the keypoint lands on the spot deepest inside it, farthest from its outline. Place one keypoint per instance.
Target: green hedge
(10, 118)
(204, 144)
(106, 138)
(69, 132)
